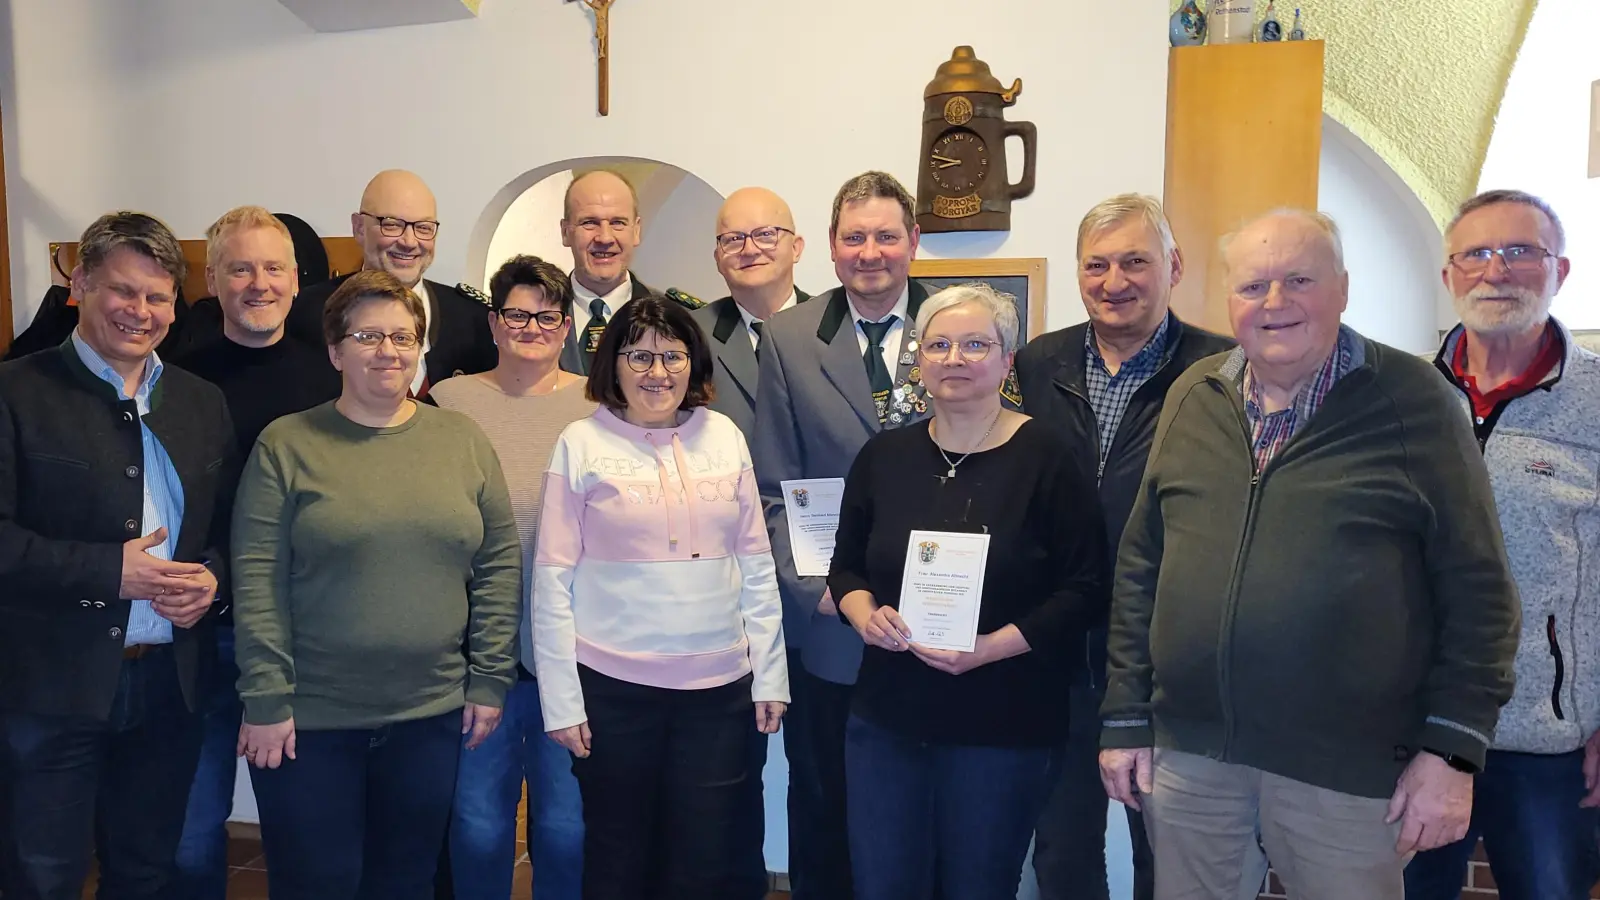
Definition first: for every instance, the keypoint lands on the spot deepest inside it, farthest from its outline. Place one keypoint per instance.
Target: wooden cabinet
(1244, 135)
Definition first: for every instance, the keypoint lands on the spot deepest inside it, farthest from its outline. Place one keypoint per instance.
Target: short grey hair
(1321, 221)
(1001, 307)
(140, 232)
(870, 185)
(1523, 198)
(1123, 208)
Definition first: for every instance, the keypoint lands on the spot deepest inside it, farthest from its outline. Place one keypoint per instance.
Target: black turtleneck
(263, 383)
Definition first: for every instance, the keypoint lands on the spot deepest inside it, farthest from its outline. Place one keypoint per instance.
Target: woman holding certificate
(657, 629)
(971, 559)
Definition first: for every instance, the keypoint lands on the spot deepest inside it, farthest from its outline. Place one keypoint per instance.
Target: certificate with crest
(812, 507)
(943, 588)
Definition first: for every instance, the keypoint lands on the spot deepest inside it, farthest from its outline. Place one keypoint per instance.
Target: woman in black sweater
(949, 754)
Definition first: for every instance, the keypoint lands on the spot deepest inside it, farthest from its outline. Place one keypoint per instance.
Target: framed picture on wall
(1021, 278)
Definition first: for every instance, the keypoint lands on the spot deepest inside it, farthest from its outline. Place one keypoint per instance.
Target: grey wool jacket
(1543, 454)
(1324, 619)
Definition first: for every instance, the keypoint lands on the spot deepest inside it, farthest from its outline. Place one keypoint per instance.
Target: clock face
(959, 161)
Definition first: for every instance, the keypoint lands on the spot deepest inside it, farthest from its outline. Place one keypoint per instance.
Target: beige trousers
(1205, 819)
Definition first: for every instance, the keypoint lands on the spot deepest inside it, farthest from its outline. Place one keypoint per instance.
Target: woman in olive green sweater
(376, 600)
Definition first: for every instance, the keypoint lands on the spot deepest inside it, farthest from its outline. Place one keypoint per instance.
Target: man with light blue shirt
(115, 481)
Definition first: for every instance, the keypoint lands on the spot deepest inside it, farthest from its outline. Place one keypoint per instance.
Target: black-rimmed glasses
(518, 319)
(641, 361)
(390, 226)
(766, 238)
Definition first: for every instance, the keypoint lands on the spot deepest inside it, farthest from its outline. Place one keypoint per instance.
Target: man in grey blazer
(756, 251)
(834, 371)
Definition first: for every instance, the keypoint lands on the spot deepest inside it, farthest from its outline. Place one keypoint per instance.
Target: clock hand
(948, 162)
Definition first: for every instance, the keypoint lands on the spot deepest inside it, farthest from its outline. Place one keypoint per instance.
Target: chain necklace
(990, 430)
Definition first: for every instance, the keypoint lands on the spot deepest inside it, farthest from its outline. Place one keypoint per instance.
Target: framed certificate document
(811, 506)
(943, 588)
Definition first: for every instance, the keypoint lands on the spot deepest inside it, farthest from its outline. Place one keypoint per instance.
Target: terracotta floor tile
(247, 884)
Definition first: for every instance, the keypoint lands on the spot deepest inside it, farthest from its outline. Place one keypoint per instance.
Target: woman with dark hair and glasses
(522, 405)
(657, 627)
(949, 753)
(376, 582)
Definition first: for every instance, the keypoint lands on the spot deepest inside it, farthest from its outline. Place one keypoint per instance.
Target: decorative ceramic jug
(1188, 28)
(1232, 21)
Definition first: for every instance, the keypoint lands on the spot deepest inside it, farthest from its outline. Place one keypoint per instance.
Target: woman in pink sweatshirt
(657, 628)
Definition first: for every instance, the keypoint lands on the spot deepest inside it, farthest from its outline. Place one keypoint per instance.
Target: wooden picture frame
(1021, 277)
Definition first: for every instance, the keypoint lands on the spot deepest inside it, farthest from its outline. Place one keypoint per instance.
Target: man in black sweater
(115, 476)
(250, 267)
(1101, 385)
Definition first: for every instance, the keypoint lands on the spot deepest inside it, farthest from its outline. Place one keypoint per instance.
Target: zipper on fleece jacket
(1231, 609)
(1561, 667)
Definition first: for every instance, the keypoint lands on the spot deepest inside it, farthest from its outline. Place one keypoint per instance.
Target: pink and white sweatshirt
(653, 563)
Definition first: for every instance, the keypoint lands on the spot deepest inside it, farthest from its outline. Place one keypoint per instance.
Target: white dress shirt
(426, 296)
(613, 299)
(749, 319)
(891, 339)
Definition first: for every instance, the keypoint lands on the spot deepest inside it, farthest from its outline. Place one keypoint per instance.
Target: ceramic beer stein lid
(965, 73)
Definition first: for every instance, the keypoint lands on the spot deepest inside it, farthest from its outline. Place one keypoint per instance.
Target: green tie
(877, 372)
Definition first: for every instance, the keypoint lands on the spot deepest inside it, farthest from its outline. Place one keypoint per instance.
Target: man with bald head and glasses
(397, 225)
(1533, 396)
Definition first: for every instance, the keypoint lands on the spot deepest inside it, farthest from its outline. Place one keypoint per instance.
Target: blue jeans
(940, 820)
(81, 789)
(1541, 845)
(483, 825)
(203, 849)
(360, 813)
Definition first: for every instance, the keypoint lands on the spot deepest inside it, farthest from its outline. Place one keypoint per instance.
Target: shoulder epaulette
(688, 300)
(475, 294)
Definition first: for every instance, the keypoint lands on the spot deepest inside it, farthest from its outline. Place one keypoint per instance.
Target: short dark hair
(653, 314)
(1523, 198)
(870, 185)
(532, 272)
(141, 232)
(367, 284)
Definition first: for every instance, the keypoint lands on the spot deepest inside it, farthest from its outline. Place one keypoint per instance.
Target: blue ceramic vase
(1188, 27)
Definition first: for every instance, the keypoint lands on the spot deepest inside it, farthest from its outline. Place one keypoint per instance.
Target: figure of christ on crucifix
(602, 36)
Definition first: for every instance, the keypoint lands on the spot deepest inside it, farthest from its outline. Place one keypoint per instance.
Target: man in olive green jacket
(1313, 623)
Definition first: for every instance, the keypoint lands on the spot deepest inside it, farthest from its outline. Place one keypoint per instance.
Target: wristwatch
(1459, 763)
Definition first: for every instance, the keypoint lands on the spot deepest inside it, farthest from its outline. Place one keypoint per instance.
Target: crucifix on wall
(602, 37)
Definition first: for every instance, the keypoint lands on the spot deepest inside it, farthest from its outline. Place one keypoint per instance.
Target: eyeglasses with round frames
(971, 349)
(642, 361)
(765, 238)
(518, 319)
(1517, 257)
(402, 340)
(389, 226)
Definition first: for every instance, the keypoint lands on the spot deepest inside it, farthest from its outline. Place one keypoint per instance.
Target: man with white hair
(1534, 401)
(1313, 622)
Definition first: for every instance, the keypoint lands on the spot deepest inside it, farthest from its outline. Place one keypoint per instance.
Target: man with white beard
(1534, 398)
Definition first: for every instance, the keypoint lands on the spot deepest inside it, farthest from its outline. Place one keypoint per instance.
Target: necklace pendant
(951, 473)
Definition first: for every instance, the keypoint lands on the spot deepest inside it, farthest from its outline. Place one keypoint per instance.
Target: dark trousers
(203, 850)
(1541, 844)
(81, 788)
(813, 739)
(360, 813)
(940, 820)
(753, 871)
(664, 790)
(1069, 845)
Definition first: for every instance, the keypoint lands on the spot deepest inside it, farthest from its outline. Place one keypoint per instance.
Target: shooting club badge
(909, 399)
(927, 551)
(802, 497)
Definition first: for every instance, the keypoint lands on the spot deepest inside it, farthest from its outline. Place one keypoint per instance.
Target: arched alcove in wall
(678, 210)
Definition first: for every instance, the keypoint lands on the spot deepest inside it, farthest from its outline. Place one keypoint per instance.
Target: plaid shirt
(1109, 394)
(1269, 432)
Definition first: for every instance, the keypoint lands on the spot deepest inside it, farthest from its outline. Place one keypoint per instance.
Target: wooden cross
(602, 36)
